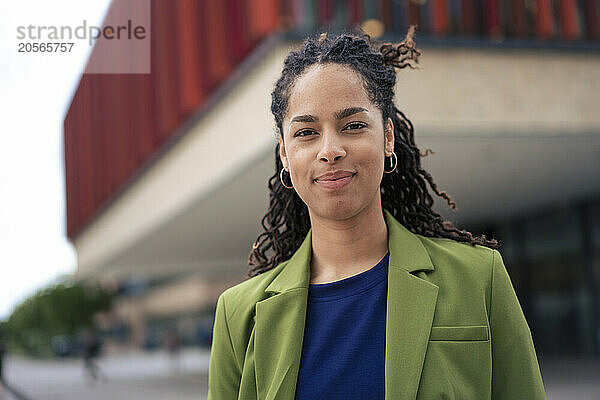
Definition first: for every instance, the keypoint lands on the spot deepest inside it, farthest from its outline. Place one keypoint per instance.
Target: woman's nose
(332, 147)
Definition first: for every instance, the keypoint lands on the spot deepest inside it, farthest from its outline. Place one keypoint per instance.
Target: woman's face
(332, 126)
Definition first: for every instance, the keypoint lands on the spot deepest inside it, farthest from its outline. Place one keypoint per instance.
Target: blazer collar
(411, 301)
(406, 252)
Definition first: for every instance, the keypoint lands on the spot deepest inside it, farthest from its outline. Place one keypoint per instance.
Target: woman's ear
(282, 154)
(389, 137)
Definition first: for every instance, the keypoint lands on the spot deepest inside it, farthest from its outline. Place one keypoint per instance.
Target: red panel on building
(117, 122)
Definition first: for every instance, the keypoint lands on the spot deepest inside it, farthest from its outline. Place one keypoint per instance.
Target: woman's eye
(303, 133)
(356, 125)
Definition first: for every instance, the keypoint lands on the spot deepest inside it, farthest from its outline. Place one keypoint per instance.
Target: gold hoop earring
(281, 178)
(394, 164)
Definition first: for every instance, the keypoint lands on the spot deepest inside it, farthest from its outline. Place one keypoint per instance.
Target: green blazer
(454, 326)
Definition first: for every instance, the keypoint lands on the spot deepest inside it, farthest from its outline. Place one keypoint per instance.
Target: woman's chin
(336, 209)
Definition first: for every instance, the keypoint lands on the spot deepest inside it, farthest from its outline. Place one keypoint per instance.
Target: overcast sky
(35, 91)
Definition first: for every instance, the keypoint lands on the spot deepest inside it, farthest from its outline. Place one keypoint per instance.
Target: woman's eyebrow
(348, 112)
(345, 113)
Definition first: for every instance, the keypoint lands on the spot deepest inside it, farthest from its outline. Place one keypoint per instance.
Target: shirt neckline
(353, 284)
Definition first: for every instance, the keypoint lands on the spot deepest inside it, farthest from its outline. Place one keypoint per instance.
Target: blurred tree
(61, 309)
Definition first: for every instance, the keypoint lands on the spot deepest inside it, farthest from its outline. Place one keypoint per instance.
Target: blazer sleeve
(515, 369)
(224, 374)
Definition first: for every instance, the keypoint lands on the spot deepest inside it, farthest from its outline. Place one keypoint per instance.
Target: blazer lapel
(411, 305)
(411, 301)
(279, 329)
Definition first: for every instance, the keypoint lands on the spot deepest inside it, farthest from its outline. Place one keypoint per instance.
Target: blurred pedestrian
(90, 347)
(2, 352)
(173, 345)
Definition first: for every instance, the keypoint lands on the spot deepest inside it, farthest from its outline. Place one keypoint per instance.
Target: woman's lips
(335, 183)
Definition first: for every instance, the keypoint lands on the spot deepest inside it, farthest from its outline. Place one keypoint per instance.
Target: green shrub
(61, 309)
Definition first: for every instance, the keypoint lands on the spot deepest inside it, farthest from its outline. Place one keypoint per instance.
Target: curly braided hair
(404, 192)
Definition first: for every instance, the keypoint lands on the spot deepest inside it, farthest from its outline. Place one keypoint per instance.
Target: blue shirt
(343, 352)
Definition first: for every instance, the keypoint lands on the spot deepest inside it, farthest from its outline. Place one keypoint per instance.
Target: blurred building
(166, 173)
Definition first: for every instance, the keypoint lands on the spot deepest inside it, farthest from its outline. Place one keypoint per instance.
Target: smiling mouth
(333, 180)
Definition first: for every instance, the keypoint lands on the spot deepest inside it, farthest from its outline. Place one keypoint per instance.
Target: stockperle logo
(128, 31)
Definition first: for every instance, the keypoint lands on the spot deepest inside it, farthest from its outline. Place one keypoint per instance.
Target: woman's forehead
(328, 75)
(326, 87)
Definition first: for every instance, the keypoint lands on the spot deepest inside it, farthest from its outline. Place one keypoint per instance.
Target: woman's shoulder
(455, 248)
(459, 258)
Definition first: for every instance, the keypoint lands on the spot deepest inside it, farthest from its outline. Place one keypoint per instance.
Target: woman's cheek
(373, 167)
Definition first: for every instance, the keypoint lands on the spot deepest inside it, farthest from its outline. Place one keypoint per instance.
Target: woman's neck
(341, 249)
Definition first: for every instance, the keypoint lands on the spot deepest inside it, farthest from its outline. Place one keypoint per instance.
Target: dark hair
(404, 192)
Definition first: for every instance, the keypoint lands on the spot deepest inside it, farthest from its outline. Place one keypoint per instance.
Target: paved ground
(132, 376)
(154, 376)
(571, 378)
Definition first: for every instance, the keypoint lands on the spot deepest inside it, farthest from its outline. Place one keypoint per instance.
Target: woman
(368, 294)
